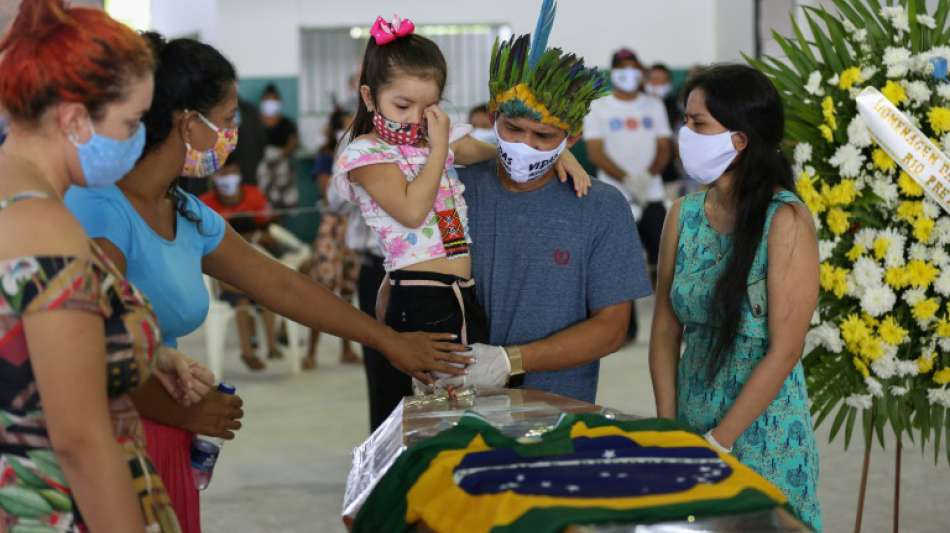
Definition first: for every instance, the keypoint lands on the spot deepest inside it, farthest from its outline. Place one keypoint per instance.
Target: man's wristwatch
(515, 359)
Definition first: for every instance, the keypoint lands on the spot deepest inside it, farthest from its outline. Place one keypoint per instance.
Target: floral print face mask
(200, 164)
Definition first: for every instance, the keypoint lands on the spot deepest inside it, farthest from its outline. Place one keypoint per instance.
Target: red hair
(54, 53)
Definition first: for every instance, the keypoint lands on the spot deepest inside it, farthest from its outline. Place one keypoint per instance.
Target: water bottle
(205, 450)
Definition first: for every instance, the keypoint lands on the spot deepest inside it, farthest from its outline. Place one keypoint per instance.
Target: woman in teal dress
(737, 288)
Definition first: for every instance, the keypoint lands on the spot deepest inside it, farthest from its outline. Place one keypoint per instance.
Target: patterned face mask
(200, 164)
(398, 133)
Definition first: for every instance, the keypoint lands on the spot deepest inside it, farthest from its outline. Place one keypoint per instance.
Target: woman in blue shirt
(164, 239)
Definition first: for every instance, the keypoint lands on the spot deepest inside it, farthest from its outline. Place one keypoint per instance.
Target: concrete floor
(287, 469)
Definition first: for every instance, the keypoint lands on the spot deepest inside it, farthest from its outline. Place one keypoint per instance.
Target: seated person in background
(481, 123)
(247, 210)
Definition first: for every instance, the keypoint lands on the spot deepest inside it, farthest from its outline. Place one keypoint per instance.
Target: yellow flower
(849, 77)
(855, 253)
(854, 330)
(894, 92)
(881, 246)
(841, 194)
(908, 211)
(896, 277)
(882, 161)
(909, 185)
(834, 279)
(926, 309)
(921, 274)
(862, 368)
(891, 332)
(806, 189)
(828, 110)
(923, 228)
(943, 327)
(871, 349)
(925, 363)
(838, 221)
(939, 119)
(943, 376)
(827, 133)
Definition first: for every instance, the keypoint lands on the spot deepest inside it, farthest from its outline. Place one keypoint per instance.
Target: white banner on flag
(913, 151)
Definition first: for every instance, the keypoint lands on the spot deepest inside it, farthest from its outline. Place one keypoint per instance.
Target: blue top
(545, 260)
(167, 272)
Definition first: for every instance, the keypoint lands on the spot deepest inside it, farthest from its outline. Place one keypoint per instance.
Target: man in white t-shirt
(629, 140)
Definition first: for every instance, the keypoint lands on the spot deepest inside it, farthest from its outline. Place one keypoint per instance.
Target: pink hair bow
(386, 32)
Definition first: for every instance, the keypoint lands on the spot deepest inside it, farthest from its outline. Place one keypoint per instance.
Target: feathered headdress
(528, 80)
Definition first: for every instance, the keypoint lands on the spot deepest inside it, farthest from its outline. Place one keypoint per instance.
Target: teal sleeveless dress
(780, 444)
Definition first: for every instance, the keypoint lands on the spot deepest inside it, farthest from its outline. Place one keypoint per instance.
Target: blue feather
(539, 41)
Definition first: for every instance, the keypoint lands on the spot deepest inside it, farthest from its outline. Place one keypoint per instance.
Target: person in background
(253, 140)
(276, 174)
(245, 208)
(334, 265)
(738, 286)
(659, 83)
(166, 239)
(482, 128)
(628, 138)
(77, 338)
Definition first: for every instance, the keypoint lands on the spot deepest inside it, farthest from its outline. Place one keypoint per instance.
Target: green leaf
(825, 47)
(937, 416)
(915, 36)
(867, 423)
(893, 413)
(880, 420)
(795, 55)
(839, 419)
(827, 406)
(876, 27)
(836, 30)
(849, 427)
(940, 16)
(802, 41)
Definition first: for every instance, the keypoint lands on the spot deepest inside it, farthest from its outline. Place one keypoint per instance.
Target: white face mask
(270, 108)
(486, 135)
(626, 79)
(228, 185)
(706, 157)
(523, 163)
(660, 91)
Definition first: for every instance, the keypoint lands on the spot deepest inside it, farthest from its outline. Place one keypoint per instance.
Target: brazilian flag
(587, 470)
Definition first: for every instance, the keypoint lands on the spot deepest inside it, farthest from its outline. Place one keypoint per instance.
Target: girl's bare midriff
(461, 267)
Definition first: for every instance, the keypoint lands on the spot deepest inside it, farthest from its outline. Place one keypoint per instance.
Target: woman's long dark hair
(189, 75)
(743, 100)
(337, 122)
(414, 55)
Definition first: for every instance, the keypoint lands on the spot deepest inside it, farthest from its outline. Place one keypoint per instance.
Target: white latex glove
(491, 368)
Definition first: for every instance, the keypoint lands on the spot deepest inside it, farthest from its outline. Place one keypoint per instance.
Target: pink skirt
(170, 451)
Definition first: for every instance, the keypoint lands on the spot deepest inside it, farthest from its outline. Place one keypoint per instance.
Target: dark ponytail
(414, 55)
(743, 100)
(189, 75)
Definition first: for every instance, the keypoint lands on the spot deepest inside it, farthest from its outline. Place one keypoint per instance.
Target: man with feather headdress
(557, 275)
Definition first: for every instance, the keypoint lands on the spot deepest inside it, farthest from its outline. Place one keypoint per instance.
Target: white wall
(262, 36)
(178, 18)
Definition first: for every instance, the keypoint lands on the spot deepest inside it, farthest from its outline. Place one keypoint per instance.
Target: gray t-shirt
(546, 260)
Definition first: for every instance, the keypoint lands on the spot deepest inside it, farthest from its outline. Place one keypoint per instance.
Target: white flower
(944, 91)
(897, 61)
(942, 285)
(830, 337)
(860, 401)
(927, 20)
(887, 191)
(895, 250)
(861, 36)
(815, 317)
(878, 300)
(919, 252)
(945, 344)
(874, 387)
(942, 229)
(848, 26)
(940, 257)
(917, 91)
(849, 159)
(867, 273)
(826, 248)
(898, 18)
(833, 81)
(858, 132)
(865, 238)
(885, 367)
(814, 84)
(938, 396)
(931, 209)
(945, 143)
(803, 153)
(898, 390)
(907, 368)
(868, 72)
(914, 296)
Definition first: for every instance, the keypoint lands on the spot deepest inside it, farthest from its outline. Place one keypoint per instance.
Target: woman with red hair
(75, 336)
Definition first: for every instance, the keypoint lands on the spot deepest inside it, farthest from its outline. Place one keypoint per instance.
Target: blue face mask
(105, 161)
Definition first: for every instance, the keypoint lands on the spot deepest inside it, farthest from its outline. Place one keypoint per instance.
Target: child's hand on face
(437, 124)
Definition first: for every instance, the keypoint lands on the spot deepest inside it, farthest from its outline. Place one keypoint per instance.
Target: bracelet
(515, 359)
(715, 443)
